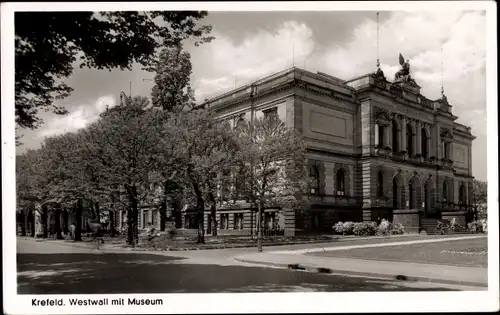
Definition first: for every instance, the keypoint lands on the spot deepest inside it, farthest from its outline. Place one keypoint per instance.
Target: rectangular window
(224, 221)
(446, 148)
(154, 218)
(238, 221)
(271, 113)
(145, 219)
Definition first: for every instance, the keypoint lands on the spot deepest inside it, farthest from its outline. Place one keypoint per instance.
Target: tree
(172, 90)
(205, 148)
(48, 44)
(272, 159)
(480, 198)
(122, 146)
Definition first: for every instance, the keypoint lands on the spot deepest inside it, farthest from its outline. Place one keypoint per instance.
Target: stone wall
(410, 219)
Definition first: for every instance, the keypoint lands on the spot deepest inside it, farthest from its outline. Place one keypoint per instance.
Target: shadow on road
(147, 273)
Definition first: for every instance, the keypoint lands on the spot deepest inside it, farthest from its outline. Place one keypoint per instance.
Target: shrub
(348, 228)
(477, 227)
(365, 228)
(338, 228)
(453, 224)
(384, 228)
(397, 228)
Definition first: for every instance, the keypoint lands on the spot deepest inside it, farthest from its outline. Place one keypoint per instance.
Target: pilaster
(419, 138)
(403, 134)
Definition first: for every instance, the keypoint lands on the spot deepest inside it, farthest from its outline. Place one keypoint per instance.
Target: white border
(253, 303)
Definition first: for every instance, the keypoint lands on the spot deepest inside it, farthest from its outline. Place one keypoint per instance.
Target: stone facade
(374, 146)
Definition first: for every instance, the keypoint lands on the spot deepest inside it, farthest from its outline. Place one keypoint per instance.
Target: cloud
(78, 118)
(258, 55)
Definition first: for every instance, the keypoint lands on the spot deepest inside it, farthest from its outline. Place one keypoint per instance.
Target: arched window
(379, 136)
(340, 182)
(409, 140)
(396, 193)
(412, 201)
(314, 176)
(461, 195)
(445, 191)
(395, 136)
(424, 139)
(240, 122)
(380, 184)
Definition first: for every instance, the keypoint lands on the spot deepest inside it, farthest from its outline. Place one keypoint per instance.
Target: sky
(251, 45)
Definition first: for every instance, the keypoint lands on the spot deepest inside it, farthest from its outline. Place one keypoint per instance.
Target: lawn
(470, 253)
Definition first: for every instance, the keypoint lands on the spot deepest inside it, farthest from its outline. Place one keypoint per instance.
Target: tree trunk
(213, 213)
(97, 212)
(32, 221)
(45, 223)
(24, 222)
(112, 230)
(259, 227)
(132, 218)
(78, 220)
(65, 225)
(163, 215)
(57, 222)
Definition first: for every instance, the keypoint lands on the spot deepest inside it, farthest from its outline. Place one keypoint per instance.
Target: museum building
(376, 149)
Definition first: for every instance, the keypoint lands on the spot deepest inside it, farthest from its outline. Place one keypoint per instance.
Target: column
(466, 192)
(141, 216)
(451, 150)
(377, 127)
(419, 138)
(437, 142)
(403, 134)
(329, 185)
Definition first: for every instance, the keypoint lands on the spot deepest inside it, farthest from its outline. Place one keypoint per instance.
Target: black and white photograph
(244, 157)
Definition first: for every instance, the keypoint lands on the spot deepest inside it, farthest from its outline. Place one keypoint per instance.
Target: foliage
(172, 90)
(368, 228)
(397, 228)
(48, 44)
(453, 224)
(384, 228)
(204, 148)
(364, 228)
(480, 198)
(272, 164)
(479, 226)
(121, 146)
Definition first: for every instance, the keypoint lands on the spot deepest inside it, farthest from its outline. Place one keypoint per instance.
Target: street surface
(47, 267)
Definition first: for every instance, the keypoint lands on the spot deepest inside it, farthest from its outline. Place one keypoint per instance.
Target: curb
(325, 270)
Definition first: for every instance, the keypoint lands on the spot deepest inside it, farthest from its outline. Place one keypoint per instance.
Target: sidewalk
(470, 276)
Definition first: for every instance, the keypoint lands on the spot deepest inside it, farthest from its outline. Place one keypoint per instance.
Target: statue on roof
(403, 74)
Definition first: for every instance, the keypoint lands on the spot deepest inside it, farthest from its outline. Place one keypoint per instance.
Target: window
(154, 217)
(447, 150)
(340, 182)
(409, 140)
(380, 184)
(395, 136)
(379, 136)
(381, 132)
(240, 122)
(271, 113)
(224, 221)
(445, 191)
(411, 188)
(461, 195)
(145, 219)
(314, 177)
(424, 139)
(238, 221)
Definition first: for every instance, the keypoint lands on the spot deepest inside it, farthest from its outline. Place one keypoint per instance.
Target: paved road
(49, 268)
